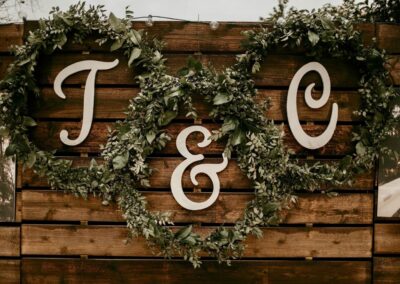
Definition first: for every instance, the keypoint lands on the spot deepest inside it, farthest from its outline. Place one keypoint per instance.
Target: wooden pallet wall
(62, 239)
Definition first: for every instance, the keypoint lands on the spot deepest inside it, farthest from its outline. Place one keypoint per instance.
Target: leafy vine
(262, 156)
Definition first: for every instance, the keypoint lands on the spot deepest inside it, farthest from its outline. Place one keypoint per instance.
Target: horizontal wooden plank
(277, 242)
(311, 208)
(386, 270)
(9, 241)
(197, 37)
(388, 36)
(162, 177)
(47, 135)
(276, 71)
(10, 270)
(111, 103)
(387, 238)
(10, 34)
(174, 272)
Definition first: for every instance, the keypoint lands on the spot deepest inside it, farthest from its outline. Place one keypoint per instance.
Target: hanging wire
(149, 21)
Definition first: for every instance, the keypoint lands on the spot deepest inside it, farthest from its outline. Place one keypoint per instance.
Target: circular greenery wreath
(261, 154)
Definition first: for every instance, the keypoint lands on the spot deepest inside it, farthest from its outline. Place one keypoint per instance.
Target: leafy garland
(327, 32)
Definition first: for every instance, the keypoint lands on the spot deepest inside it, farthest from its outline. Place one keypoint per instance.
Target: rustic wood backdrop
(63, 239)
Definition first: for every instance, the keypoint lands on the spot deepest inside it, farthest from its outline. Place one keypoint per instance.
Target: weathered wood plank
(9, 241)
(18, 207)
(387, 238)
(198, 37)
(174, 272)
(10, 34)
(386, 270)
(47, 135)
(311, 208)
(10, 271)
(277, 70)
(161, 178)
(388, 36)
(111, 103)
(277, 242)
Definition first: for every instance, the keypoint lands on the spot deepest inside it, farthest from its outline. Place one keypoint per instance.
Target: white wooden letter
(88, 101)
(209, 169)
(303, 138)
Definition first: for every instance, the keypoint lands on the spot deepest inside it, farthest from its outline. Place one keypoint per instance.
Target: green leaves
(31, 159)
(313, 37)
(117, 44)
(261, 153)
(4, 132)
(183, 233)
(116, 23)
(134, 55)
(167, 117)
(360, 149)
(135, 37)
(119, 162)
(221, 98)
(229, 124)
(150, 136)
(237, 137)
(28, 121)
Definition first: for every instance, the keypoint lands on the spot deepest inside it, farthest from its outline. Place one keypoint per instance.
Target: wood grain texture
(386, 270)
(111, 103)
(161, 178)
(10, 270)
(9, 241)
(47, 136)
(388, 36)
(276, 71)
(10, 34)
(387, 238)
(311, 208)
(194, 37)
(18, 207)
(277, 242)
(175, 272)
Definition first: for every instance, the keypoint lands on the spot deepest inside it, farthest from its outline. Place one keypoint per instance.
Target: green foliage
(258, 142)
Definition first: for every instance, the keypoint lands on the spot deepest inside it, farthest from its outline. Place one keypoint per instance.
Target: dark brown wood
(37, 204)
(10, 34)
(194, 37)
(387, 238)
(161, 178)
(276, 71)
(111, 103)
(10, 270)
(386, 270)
(388, 36)
(311, 208)
(18, 207)
(174, 272)
(9, 241)
(47, 136)
(277, 242)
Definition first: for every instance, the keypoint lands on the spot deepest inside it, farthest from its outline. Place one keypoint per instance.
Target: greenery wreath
(327, 32)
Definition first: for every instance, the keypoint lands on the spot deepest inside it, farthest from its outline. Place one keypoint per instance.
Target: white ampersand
(209, 169)
(88, 101)
(302, 137)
